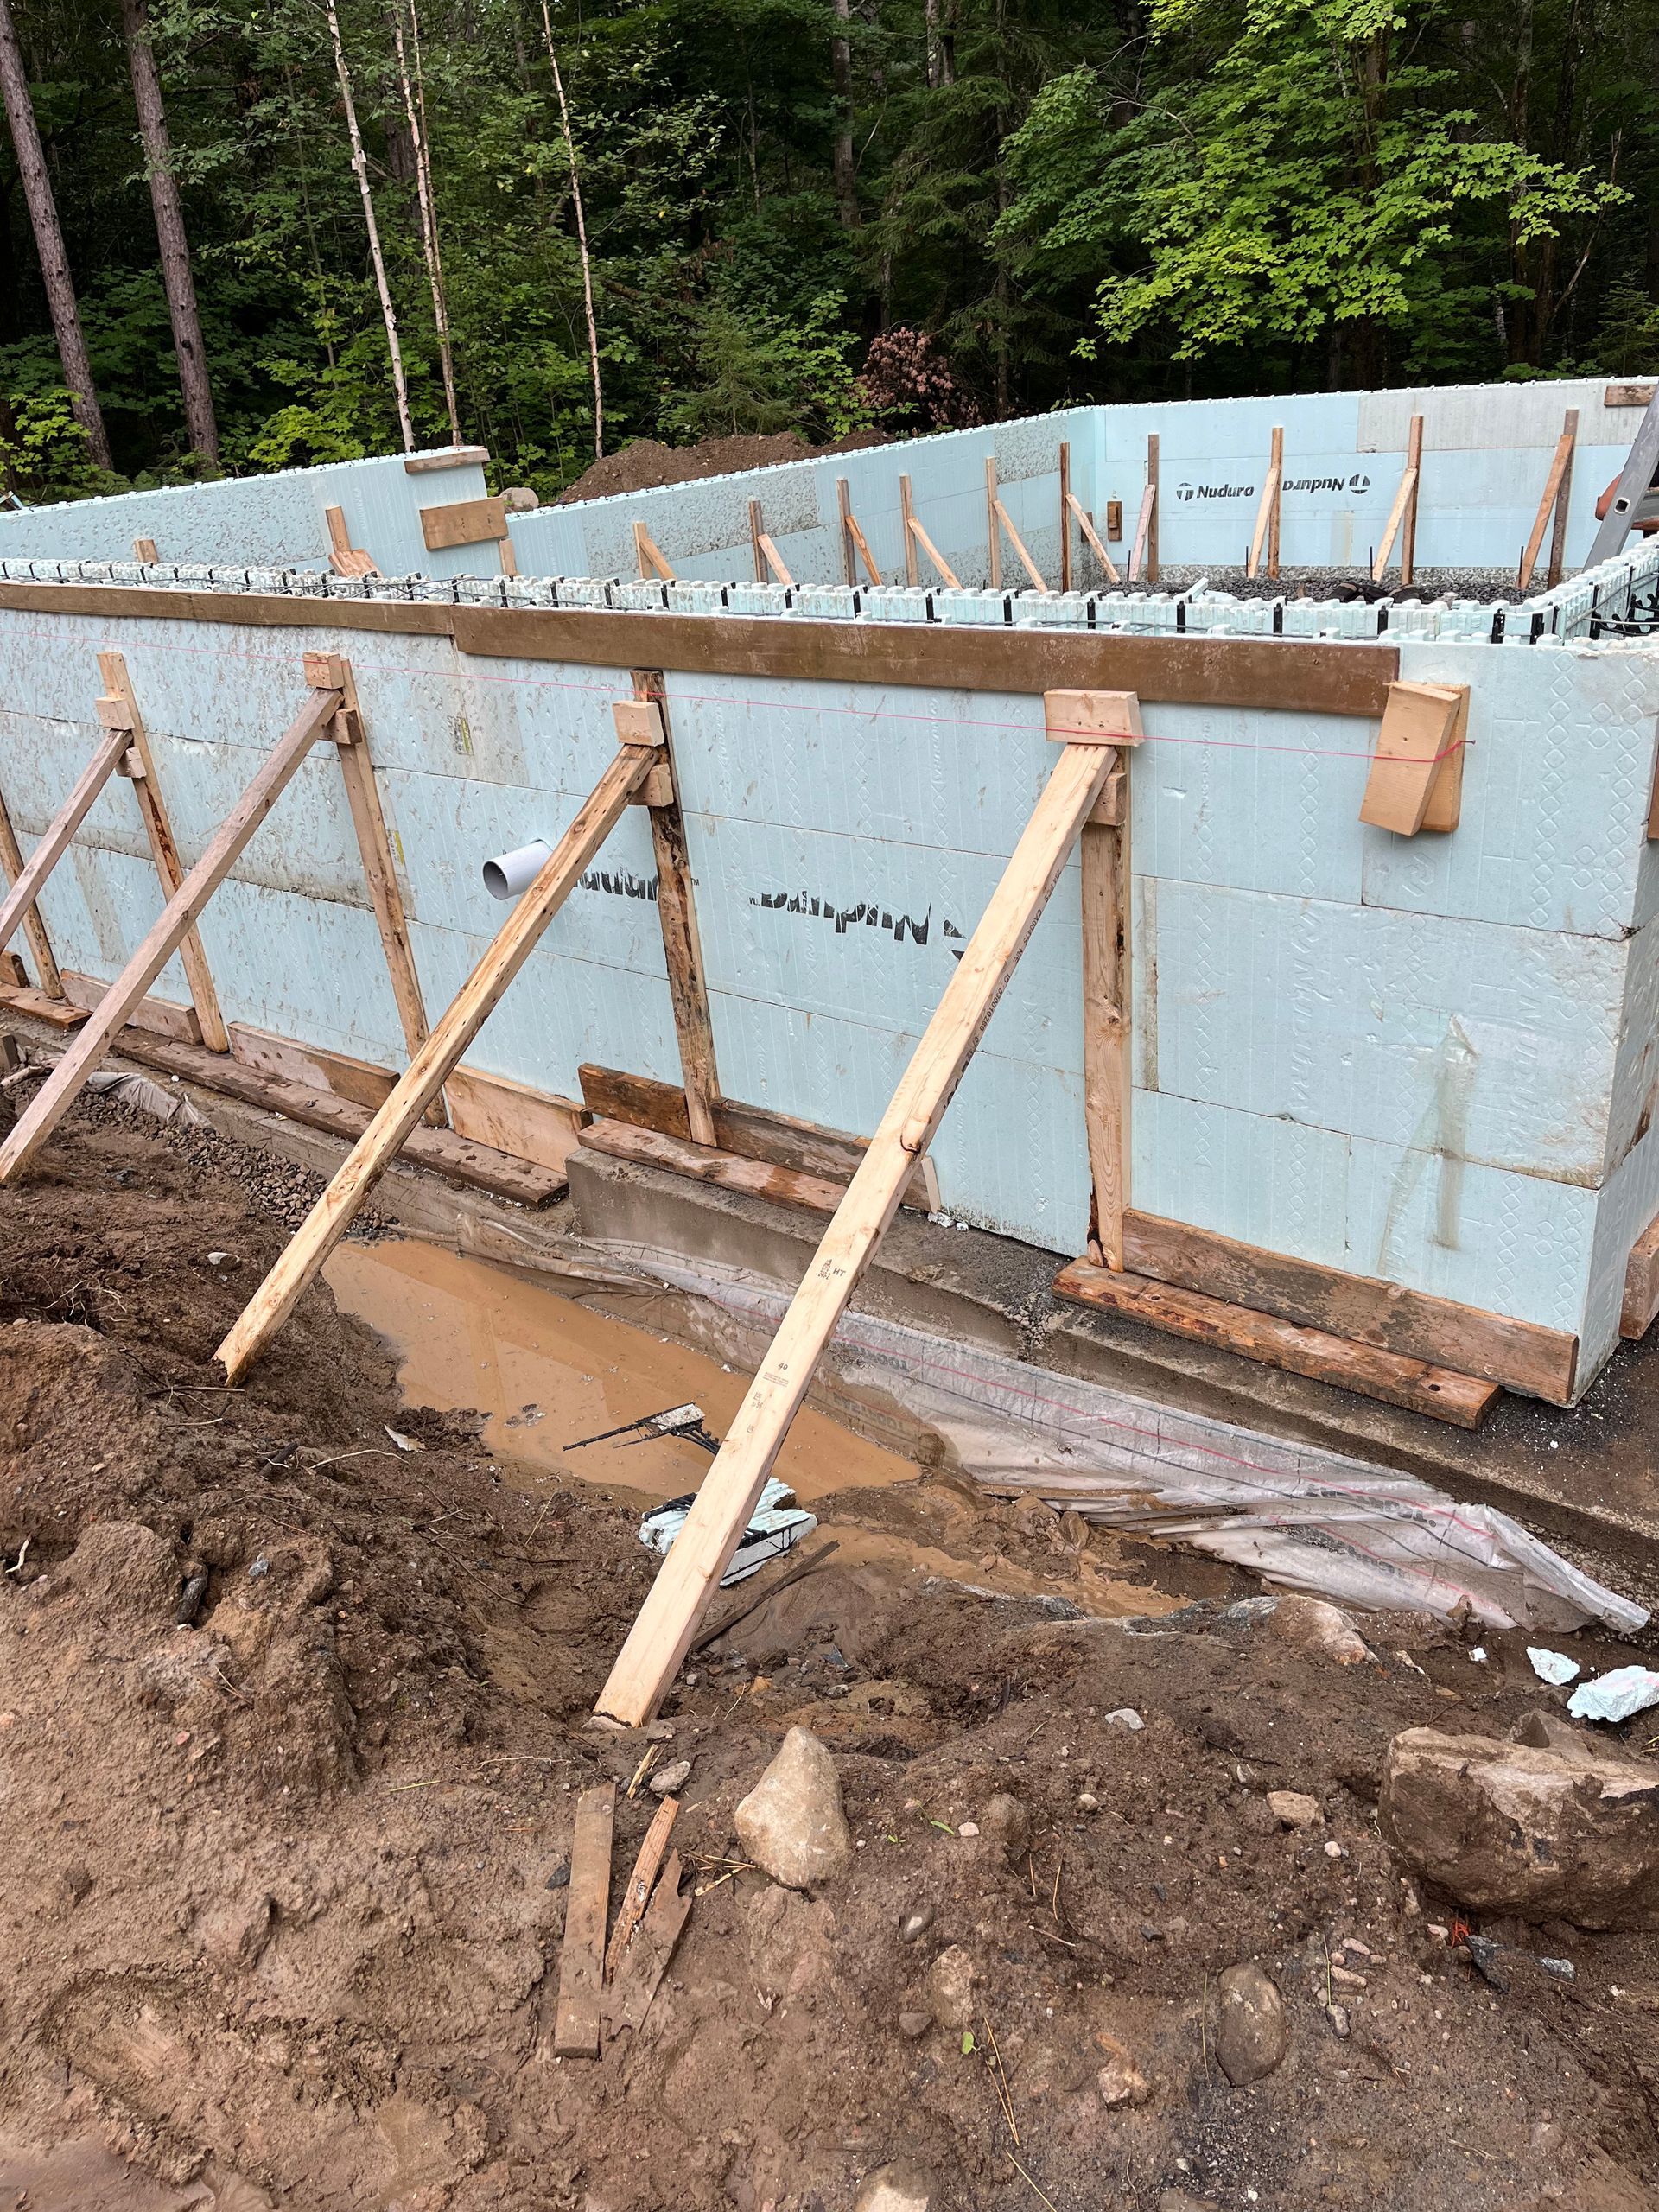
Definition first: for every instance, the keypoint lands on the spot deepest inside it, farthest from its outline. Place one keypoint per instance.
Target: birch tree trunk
(840, 69)
(429, 249)
(581, 240)
(360, 168)
(48, 240)
(199, 424)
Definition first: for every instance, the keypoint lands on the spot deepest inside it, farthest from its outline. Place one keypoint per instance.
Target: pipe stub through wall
(511, 874)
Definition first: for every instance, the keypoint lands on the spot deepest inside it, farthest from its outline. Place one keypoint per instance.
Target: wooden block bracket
(1416, 774)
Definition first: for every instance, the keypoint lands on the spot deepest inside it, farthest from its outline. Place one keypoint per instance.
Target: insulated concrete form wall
(1432, 1060)
(264, 521)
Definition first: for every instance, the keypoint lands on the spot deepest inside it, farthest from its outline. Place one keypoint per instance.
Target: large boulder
(791, 1822)
(1566, 1827)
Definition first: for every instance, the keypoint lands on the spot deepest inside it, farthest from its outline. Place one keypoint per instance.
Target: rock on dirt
(898, 2188)
(1562, 1827)
(1251, 2036)
(791, 1823)
(1007, 1824)
(1294, 1809)
(951, 1988)
(1312, 1624)
(1119, 2080)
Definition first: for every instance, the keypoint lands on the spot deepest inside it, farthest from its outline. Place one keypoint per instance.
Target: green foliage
(1057, 200)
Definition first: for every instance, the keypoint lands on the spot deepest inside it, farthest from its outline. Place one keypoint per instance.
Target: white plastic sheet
(1308, 1518)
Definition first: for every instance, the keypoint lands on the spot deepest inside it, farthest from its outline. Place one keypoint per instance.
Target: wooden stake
(994, 536)
(676, 913)
(1092, 535)
(1153, 453)
(754, 539)
(853, 540)
(1018, 543)
(11, 862)
(650, 561)
(667, 1621)
(1554, 501)
(1142, 532)
(62, 829)
(333, 672)
(146, 790)
(144, 549)
(54, 1099)
(1066, 515)
(1563, 499)
(472, 1007)
(1106, 1018)
(774, 560)
(637, 1896)
(1267, 514)
(588, 1899)
(907, 517)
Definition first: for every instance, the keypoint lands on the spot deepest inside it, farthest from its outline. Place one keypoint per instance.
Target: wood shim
(463, 522)
(1420, 743)
(1440, 1392)
(690, 1575)
(582, 1956)
(468, 1011)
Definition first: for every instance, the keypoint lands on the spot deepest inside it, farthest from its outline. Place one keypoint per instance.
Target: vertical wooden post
(146, 789)
(1278, 464)
(1152, 518)
(11, 863)
(907, 517)
(993, 527)
(667, 1621)
(1066, 515)
(677, 912)
(756, 534)
(1408, 535)
(1104, 856)
(848, 551)
(333, 672)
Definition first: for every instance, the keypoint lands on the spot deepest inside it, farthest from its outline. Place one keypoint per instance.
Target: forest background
(299, 231)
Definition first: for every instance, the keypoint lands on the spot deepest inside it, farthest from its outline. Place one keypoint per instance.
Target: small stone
(1294, 1808)
(1345, 1977)
(1334, 1850)
(900, 2187)
(261, 1567)
(1125, 1718)
(791, 1823)
(1006, 1820)
(914, 2024)
(968, 1827)
(223, 1259)
(1119, 2080)
(1251, 2036)
(1087, 1801)
(1313, 1624)
(915, 1925)
(670, 1778)
(1337, 2015)
(559, 1877)
(951, 1988)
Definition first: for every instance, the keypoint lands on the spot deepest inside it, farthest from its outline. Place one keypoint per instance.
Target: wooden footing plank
(727, 1171)
(582, 1959)
(22, 998)
(1422, 1387)
(167, 1019)
(752, 1131)
(457, 1158)
(1641, 1284)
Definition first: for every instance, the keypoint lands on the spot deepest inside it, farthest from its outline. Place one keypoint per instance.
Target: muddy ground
(283, 1891)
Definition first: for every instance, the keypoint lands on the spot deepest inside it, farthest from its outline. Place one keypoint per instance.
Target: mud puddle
(544, 1371)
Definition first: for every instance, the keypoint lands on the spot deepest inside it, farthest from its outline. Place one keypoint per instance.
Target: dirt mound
(285, 1884)
(646, 463)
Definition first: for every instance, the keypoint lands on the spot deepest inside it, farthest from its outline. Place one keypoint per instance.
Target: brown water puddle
(544, 1371)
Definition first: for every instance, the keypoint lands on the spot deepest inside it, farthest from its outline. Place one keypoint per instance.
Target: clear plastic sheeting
(1306, 1518)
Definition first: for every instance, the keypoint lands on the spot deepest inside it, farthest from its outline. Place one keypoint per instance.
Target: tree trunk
(581, 239)
(360, 168)
(48, 241)
(840, 69)
(429, 249)
(200, 425)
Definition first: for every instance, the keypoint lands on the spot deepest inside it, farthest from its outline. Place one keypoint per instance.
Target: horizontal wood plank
(511, 1117)
(23, 998)
(749, 1130)
(728, 1170)
(313, 1067)
(1522, 1354)
(463, 522)
(1416, 1384)
(427, 464)
(179, 1022)
(459, 1159)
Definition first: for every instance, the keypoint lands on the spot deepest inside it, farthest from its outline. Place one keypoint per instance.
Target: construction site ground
(284, 1888)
